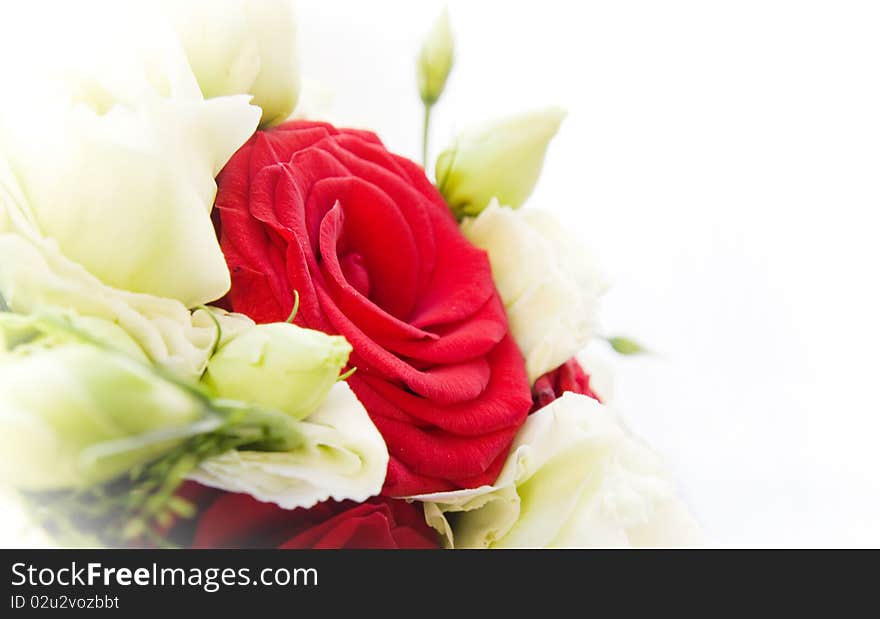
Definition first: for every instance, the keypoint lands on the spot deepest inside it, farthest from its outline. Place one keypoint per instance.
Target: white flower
(596, 362)
(549, 284)
(119, 165)
(502, 160)
(57, 404)
(35, 274)
(279, 366)
(242, 47)
(575, 478)
(342, 457)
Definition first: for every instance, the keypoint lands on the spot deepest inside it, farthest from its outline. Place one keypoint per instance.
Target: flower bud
(278, 366)
(60, 406)
(242, 47)
(502, 161)
(435, 60)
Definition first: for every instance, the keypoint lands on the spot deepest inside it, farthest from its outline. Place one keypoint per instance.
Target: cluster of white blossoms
(575, 476)
(105, 213)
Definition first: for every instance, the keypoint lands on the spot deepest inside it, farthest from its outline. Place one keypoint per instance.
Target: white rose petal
(575, 478)
(315, 101)
(34, 274)
(596, 361)
(549, 284)
(119, 167)
(342, 457)
(242, 47)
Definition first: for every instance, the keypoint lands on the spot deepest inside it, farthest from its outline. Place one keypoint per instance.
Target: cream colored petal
(342, 457)
(549, 284)
(575, 478)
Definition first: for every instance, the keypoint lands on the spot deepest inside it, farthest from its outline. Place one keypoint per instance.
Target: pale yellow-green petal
(242, 47)
(502, 160)
(279, 366)
(341, 456)
(119, 169)
(575, 478)
(57, 403)
(549, 283)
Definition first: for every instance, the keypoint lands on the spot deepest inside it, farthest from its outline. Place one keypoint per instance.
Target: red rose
(376, 256)
(229, 520)
(569, 376)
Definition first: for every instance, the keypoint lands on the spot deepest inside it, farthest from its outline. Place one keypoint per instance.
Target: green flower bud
(435, 60)
(63, 409)
(502, 161)
(278, 366)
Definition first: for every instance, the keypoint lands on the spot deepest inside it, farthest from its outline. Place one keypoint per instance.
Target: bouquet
(228, 323)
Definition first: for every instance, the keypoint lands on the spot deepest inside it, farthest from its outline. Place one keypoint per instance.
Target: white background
(722, 159)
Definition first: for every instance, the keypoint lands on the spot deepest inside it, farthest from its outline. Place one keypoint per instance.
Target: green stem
(217, 328)
(295, 307)
(425, 126)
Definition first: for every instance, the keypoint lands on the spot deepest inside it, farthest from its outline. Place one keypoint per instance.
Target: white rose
(342, 456)
(242, 47)
(549, 284)
(597, 363)
(119, 165)
(35, 274)
(575, 478)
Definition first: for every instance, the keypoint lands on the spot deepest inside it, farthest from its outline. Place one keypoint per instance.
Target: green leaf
(626, 346)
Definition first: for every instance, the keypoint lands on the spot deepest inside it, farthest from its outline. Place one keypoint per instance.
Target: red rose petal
(569, 376)
(375, 255)
(234, 520)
